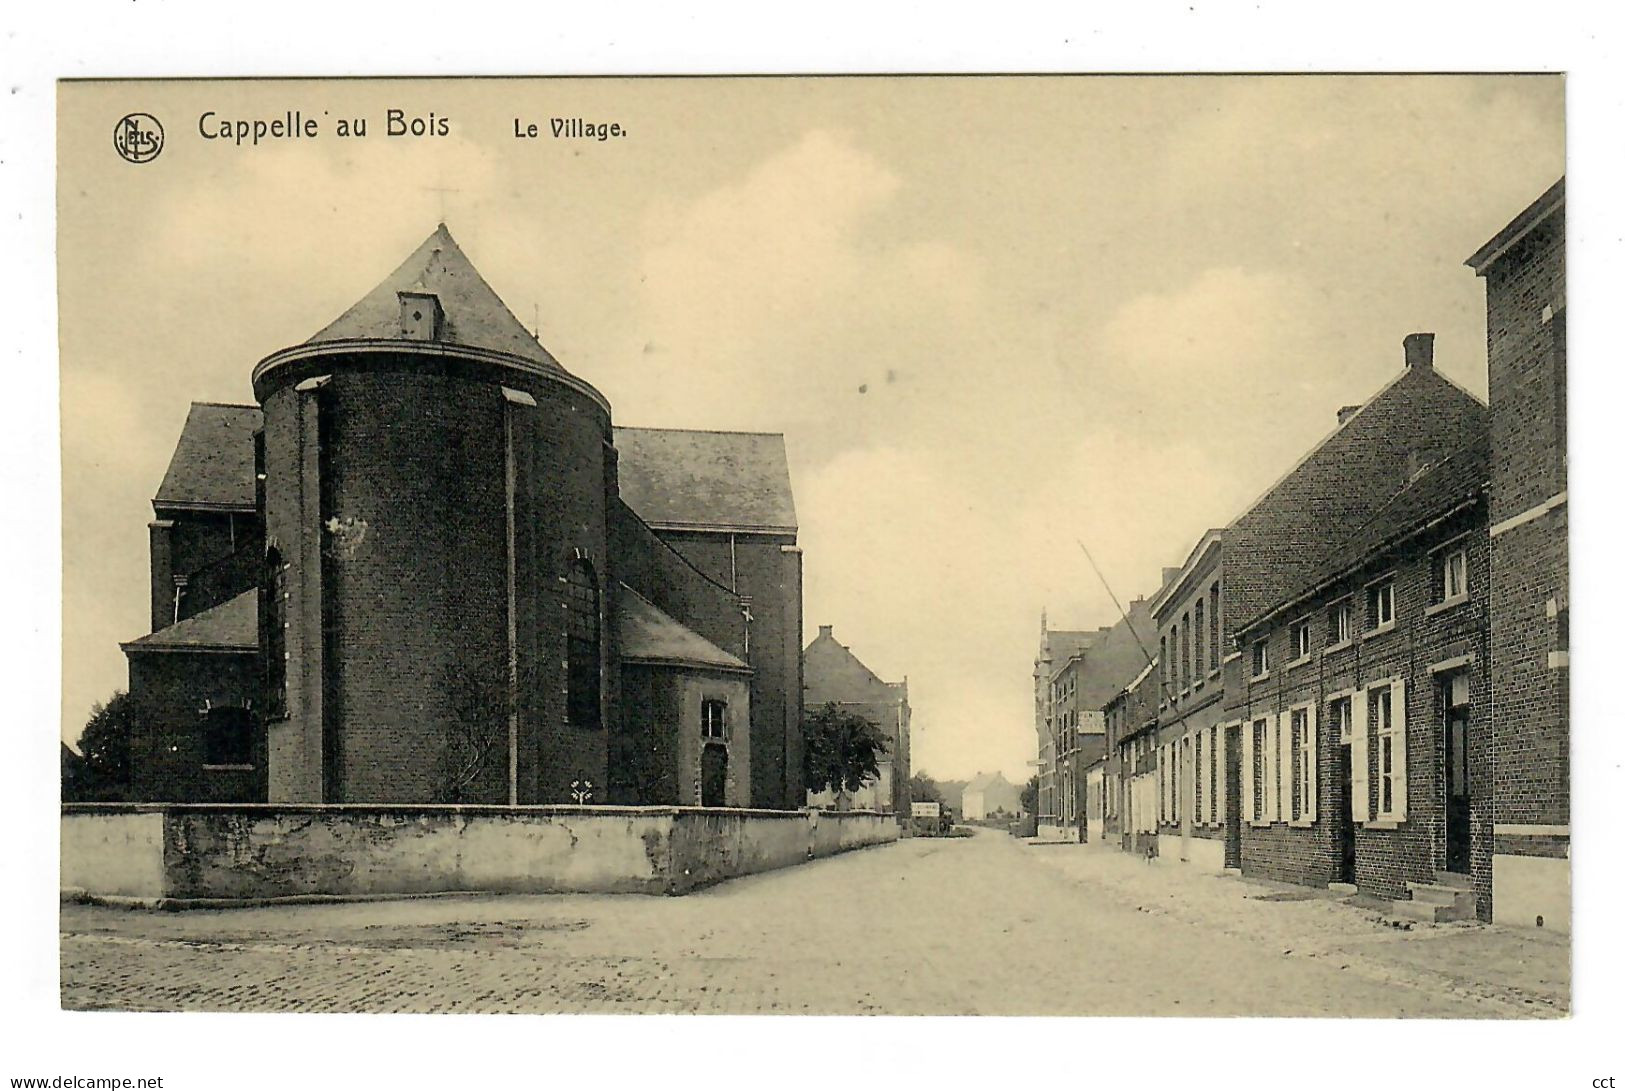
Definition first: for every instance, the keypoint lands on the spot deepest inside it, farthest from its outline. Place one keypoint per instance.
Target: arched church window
(274, 609)
(228, 737)
(581, 674)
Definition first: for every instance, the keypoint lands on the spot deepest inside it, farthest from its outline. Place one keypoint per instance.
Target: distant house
(990, 793)
(833, 675)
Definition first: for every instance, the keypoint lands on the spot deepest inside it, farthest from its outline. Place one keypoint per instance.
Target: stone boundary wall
(178, 854)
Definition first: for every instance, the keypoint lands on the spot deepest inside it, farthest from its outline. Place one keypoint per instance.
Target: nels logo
(138, 137)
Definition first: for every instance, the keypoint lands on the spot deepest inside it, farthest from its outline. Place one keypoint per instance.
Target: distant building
(1075, 675)
(1525, 291)
(1132, 804)
(1189, 612)
(988, 794)
(834, 675)
(1357, 589)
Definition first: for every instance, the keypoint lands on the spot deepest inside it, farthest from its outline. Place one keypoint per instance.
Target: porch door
(1232, 796)
(1345, 815)
(1458, 789)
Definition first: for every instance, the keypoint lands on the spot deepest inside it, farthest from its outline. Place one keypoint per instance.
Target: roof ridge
(699, 431)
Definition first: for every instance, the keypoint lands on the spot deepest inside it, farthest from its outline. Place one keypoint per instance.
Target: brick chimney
(1419, 350)
(1345, 413)
(827, 630)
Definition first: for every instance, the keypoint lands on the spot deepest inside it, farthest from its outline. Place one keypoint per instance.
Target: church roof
(650, 635)
(472, 314)
(231, 626)
(213, 464)
(676, 479)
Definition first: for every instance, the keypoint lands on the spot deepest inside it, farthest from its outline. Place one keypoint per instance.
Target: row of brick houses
(1361, 681)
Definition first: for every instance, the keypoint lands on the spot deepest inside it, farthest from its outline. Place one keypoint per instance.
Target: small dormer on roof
(421, 316)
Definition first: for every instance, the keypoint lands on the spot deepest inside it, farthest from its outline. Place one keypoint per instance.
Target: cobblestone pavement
(967, 926)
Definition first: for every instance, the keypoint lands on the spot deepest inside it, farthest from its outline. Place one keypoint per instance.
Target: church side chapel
(426, 567)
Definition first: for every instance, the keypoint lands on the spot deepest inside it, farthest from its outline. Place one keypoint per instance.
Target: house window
(1341, 621)
(1303, 756)
(713, 719)
(1213, 628)
(1300, 641)
(228, 738)
(1185, 652)
(1199, 633)
(1337, 711)
(1388, 713)
(1177, 678)
(1379, 612)
(581, 677)
(1453, 576)
(1260, 738)
(1261, 657)
(1162, 668)
(1201, 773)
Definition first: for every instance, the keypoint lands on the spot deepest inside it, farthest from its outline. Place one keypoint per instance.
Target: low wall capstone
(206, 853)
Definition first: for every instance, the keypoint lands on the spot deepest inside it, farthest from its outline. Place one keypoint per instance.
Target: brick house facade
(1526, 331)
(1357, 691)
(1190, 685)
(410, 574)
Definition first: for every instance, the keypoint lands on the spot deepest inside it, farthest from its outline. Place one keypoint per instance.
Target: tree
(842, 750)
(105, 745)
(922, 789)
(1029, 796)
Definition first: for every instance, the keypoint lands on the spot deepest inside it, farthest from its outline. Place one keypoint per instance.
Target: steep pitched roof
(677, 479)
(1272, 547)
(473, 314)
(650, 635)
(213, 464)
(231, 626)
(1446, 486)
(833, 673)
(1063, 644)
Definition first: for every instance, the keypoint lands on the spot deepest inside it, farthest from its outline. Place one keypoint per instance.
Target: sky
(993, 317)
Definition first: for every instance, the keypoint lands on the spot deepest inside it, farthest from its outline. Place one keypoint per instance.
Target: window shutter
(1247, 781)
(1272, 727)
(1311, 808)
(1359, 760)
(1400, 732)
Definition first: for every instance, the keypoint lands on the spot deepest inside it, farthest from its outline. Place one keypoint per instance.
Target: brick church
(426, 567)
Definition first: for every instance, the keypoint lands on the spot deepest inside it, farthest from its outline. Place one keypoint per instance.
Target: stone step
(1438, 895)
(1428, 912)
(1342, 888)
(1453, 878)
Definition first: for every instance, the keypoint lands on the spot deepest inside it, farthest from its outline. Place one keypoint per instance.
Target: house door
(1458, 796)
(1345, 816)
(1232, 797)
(714, 775)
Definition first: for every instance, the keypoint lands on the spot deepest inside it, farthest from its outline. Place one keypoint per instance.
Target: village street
(987, 925)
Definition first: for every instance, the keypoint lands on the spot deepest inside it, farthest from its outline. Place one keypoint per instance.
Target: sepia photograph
(778, 552)
(559, 560)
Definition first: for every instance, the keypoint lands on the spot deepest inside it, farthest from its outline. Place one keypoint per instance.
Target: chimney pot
(1345, 413)
(826, 630)
(1419, 350)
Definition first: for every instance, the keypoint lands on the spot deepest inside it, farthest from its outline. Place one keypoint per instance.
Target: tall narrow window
(1199, 633)
(1185, 652)
(1213, 627)
(581, 645)
(274, 592)
(1382, 709)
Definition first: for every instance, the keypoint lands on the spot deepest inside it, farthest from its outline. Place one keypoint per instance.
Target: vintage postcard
(955, 545)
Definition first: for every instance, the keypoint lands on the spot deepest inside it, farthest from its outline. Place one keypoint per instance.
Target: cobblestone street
(921, 927)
